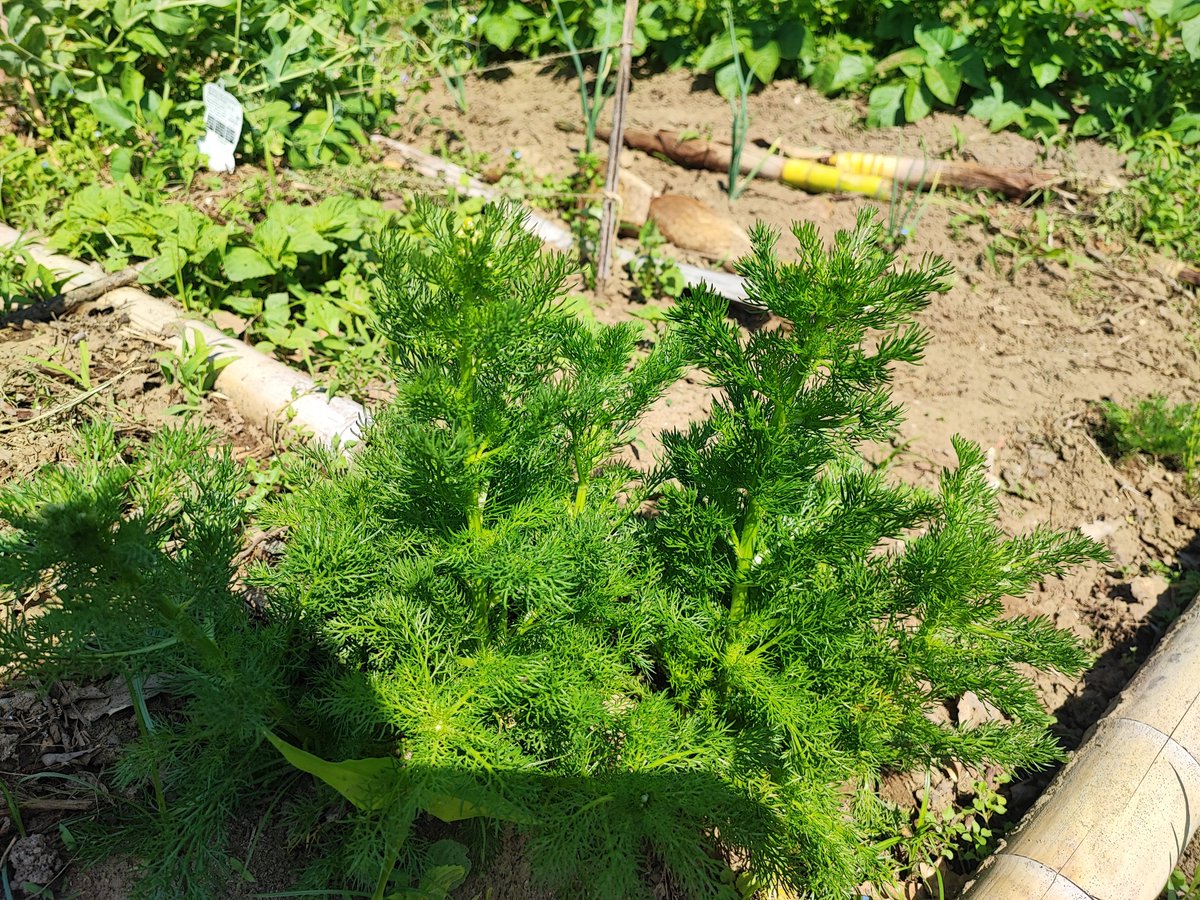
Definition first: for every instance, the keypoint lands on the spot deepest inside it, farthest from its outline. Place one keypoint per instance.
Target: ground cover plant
(311, 73)
(289, 264)
(483, 616)
(104, 158)
(1169, 432)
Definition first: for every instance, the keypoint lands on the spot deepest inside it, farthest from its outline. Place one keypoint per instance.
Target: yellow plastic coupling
(814, 176)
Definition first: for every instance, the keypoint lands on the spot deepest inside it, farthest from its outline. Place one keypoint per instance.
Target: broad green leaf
(918, 102)
(719, 52)
(148, 41)
(166, 265)
(170, 22)
(1185, 128)
(944, 81)
(840, 70)
(935, 41)
(448, 866)
(306, 239)
(274, 234)
(113, 113)
(1161, 9)
(133, 85)
(242, 263)
(460, 797)
(795, 41)
(910, 56)
(883, 106)
(727, 81)
(1045, 73)
(500, 31)
(971, 65)
(607, 22)
(370, 783)
(763, 60)
(367, 783)
(120, 163)
(277, 309)
(1189, 32)
(1086, 125)
(122, 12)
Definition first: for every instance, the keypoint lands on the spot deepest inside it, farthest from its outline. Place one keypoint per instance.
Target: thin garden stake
(608, 218)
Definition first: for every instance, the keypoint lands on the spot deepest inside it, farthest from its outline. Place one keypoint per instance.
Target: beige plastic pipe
(266, 392)
(1114, 823)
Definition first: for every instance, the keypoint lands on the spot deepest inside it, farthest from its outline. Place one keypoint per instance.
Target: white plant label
(223, 124)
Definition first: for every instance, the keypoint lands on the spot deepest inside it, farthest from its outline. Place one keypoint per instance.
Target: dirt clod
(35, 859)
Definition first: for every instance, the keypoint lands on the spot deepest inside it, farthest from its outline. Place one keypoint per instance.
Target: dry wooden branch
(699, 154)
(916, 173)
(64, 303)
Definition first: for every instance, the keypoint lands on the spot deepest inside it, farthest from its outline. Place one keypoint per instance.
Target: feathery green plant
(485, 614)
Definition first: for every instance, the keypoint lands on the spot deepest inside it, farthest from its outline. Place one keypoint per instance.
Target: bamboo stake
(608, 218)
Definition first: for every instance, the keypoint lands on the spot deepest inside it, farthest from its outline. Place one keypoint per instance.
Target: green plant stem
(385, 874)
(745, 545)
(577, 62)
(145, 728)
(192, 634)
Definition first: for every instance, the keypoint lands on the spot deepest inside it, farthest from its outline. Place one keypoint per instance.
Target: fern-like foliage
(126, 566)
(712, 664)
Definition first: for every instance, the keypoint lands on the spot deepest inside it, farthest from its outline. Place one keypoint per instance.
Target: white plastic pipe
(266, 392)
(1114, 823)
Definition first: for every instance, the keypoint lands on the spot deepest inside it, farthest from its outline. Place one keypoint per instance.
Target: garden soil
(1020, 356)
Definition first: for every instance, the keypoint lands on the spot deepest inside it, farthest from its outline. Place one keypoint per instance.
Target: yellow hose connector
(813, 176)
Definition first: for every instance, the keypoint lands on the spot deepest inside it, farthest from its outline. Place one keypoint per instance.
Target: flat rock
(1146, 590)
(34, 859)
(691, 225)
(636, 195)
(973, 710)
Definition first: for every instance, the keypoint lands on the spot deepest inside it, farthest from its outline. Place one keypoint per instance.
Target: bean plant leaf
(717, 53)
(934, 41)
(840, 70)
(794, 40)
(1045, 73)
(607, 21)
(727, 81)
(944, 81)
(763, 60)
(242, 263)
(909, 56)
(113, 113)
(1190, 34)
(918, 102)
(170, 22)
(501, 31)
(883, 106)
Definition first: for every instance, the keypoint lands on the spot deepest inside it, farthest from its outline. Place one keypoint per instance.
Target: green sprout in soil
(1168, 432)
(483, 616)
